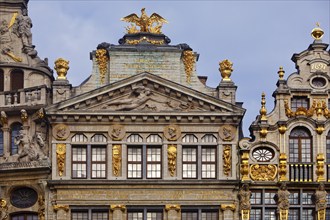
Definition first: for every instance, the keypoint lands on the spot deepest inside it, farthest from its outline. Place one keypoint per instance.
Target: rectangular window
(269, 198)
(99, 162)
(255, 214)
(189, 215)
(144, 213)
(79, 162)
(256, 197)
(270, 214)
(189, 162)
(293, 214)
(294, 198)
(199, 214)
(298, 102)
(307, 198)
(134, 162)
(154, 162)
(208, 162)
(89, 214)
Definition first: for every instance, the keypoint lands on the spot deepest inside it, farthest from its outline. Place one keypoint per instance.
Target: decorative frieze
(263, 172)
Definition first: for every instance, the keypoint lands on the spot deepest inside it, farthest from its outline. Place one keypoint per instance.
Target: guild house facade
(144, 138)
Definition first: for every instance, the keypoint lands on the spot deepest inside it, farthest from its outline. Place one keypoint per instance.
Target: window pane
(269, 198)
(210, 215)
(270, 214)
(83, 215)
(98, 162)
(208, 162)
(1, 142)
(189, 162)
(134, 162)
(98, 215)
(189, 215)
(307, 214)
(154, 162)
(15, 128)
(79, 162)
(294, 198)
(255, 214)
(307, 198)
(154, 216)
(255, 197)
(293, 214)
(135, 216)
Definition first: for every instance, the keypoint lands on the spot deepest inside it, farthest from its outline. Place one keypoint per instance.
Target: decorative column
(228, 211)
(320, 167)
(62, 212)
(282, 167)
(245, 166)
(173, 212)
(118, 212)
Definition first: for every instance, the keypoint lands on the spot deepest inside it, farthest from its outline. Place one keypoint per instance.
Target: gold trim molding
(282, 167)
(320, 167)
(245, 166)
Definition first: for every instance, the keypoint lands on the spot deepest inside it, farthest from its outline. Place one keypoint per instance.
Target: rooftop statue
(152, 24)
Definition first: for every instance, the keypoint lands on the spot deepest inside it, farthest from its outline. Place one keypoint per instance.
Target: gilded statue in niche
(262, 172)
(226, 160)
(172, 132)
(117, 132)
(61, 132)
(116, 159)
(152, 24)
(171, 157)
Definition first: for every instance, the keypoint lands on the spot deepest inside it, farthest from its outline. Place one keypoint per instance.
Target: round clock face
(23, 197)
(263, 154)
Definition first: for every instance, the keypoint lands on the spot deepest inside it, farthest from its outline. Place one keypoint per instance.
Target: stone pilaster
(228, 211)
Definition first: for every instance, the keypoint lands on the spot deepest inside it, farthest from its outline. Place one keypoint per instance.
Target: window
(300, 145)
(189, 162)
(298, 102)
(195, 213)
(1, 142)
(2, 81)
(301, 205)
(14, 132)
(140, 213)
(89, 161)
(17, 80)
(136, 158)
(328, 148)
(263, 204)
(89, 214)
(24, 216)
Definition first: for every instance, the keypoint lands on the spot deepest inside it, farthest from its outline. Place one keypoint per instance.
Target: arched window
(16, 80)
(2, 80)
(14, 132)
(300, 145)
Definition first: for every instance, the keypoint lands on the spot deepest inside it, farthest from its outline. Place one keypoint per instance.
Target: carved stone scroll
(60, 155)
(59, 207)
(116, 160)
(171, 157)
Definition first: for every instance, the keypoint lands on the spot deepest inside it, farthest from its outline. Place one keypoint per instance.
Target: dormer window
(299, 102)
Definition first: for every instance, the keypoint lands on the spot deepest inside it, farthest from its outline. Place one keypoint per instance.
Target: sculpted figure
(244, 196)
(320, 198)
(25, 150)
(283, 197)
(23, 28)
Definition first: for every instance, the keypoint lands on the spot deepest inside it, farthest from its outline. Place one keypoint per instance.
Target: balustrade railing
(301, 172)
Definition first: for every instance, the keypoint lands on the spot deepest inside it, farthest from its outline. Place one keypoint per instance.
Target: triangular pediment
(144, 92)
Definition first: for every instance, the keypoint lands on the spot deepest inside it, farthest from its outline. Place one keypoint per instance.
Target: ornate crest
(152, 24)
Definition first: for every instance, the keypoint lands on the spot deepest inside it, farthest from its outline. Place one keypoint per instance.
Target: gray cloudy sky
(257, 36)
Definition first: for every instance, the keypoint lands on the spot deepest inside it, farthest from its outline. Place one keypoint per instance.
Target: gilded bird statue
(145, 22)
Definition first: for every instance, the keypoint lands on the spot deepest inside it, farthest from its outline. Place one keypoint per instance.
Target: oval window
(319, 82)
(23, 197)
(263, 154)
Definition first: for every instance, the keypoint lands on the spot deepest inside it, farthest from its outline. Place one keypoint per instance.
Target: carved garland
(102, 59)
(60, 154)
(156, 42)
(318, 107)
(116, 159)
(189, 62)
(263, 172)
(226, 160)
(171, 155)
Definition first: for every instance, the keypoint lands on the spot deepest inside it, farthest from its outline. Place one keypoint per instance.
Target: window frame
(297, 151)
(299, 102)
(89, 211)
(259, 202)
(200, 210)
(145, 210)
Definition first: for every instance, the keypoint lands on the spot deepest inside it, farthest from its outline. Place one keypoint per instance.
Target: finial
(281, 72)
(226, 67)
(61, 67)
(263, 110)
(317, 33)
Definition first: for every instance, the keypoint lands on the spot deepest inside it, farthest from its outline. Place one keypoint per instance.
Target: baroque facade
(144, 138)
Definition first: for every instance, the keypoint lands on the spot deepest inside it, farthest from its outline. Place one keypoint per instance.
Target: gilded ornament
(172, 132)
(317, 33)
(41, 209)
(281, 72)
(245, 214)
(282, 167)
(41, 113)
(172, 207)
(244, 196)
(171, 157)
(61, 67)
(245, 166)
(116, 159)
(262, 172)
(319, 108)
(282, 129)
(263, 132)
(63, 207)
(231, 207)
(61, 132)
(121, 207)
(3, 118)
(134, 42)
(12, 55)
(152, 24)
(226, 160)
(227, 132)
(3, 209)
(117, 132)
(319, 129)
(189, 63)
(263, 110)
(102, 60)
(301, 111)
(60, 155)
(24, 115)
(226, 68)
(320, 167)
